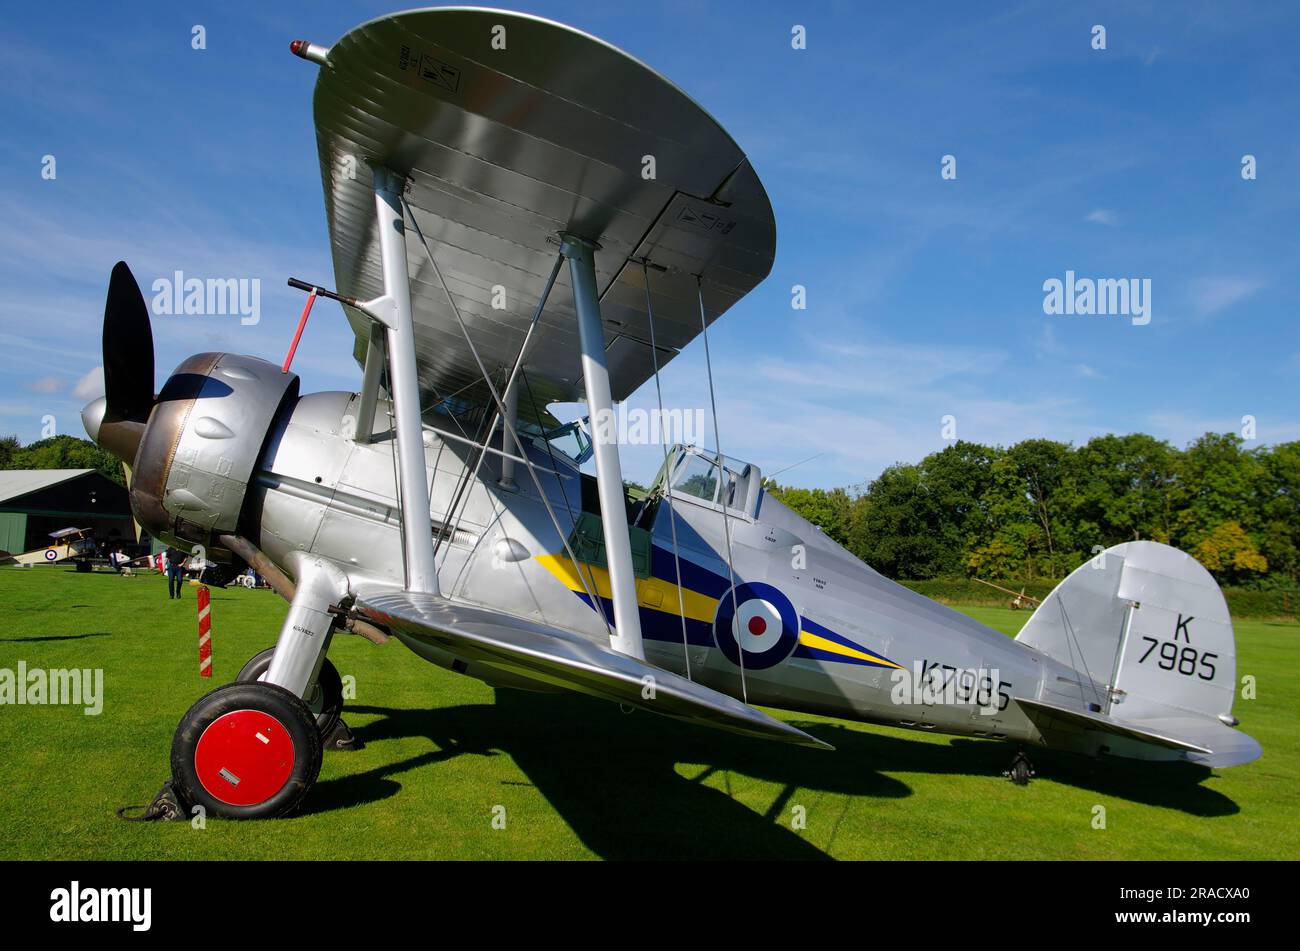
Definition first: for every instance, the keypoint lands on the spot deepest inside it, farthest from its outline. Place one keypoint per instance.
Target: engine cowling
(200, 446)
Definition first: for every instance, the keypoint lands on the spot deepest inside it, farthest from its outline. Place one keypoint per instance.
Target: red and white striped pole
(205, 632)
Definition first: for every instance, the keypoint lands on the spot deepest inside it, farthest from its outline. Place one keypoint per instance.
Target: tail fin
(1146, 627)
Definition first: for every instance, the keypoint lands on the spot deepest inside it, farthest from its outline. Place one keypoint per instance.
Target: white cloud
(1048, 343)
(1103, 216)
(46, 385)
(1210, 295)
(91, 386)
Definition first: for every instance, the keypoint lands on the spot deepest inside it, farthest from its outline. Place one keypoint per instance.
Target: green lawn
(577, 778)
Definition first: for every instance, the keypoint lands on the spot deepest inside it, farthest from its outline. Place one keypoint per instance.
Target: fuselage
(747, 598)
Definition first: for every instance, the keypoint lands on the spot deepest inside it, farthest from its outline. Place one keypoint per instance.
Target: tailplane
(1148, 632)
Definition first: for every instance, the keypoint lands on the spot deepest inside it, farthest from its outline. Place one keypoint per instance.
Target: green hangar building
(35, 502)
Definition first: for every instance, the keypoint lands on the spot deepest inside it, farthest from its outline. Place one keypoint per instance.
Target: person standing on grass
(174, 561)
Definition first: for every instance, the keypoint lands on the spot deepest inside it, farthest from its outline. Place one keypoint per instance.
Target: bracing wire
(593, 592)
(668, 481)
(1072, 643)
(496, 397)
(722, 469)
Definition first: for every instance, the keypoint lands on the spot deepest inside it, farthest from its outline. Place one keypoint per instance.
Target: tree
(64, 452)
(1045, 469)
(1280, 499)
(1218, 482)
(898, 532)
(1230, 554)
(828, 510)
(1124, 491)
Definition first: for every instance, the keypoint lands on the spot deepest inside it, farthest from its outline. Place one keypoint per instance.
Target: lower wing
(560, 658)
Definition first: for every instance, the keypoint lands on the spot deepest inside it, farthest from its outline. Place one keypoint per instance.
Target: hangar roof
(19, 482)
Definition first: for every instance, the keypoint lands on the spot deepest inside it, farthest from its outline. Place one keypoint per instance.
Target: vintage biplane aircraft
(521, 214)
(74, 543)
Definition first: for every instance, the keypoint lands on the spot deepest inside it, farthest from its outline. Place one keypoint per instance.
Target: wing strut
(393, 310)
(609, 474)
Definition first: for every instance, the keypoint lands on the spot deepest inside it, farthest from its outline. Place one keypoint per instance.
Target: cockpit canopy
(570, 439)
(700, 476)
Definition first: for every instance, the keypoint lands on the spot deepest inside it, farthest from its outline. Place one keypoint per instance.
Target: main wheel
(325, 699)
(246, 751)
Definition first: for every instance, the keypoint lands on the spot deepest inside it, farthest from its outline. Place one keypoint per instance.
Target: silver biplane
(521, 214)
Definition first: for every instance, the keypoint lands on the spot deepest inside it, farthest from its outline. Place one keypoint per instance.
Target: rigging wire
(668, 480)
(1072, 643)
(496, 398)
(594, 590)
(722, 469)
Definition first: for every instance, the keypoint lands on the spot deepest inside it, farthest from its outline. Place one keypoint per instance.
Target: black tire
(325, 701)
(244, 708)
(1020, 772)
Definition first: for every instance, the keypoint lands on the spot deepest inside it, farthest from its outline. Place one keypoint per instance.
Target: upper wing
(537, 652)
(505, 147)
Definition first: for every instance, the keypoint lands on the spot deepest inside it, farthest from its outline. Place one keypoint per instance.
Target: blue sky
(925, 296)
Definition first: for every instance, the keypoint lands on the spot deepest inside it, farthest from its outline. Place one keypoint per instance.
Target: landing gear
(252, 749)
(1021, 770)
(324, 698)
(246, 751)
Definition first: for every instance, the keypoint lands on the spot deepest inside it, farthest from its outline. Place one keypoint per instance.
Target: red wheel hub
(244, 758)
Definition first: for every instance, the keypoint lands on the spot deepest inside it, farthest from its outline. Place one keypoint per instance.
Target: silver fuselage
(320, 491)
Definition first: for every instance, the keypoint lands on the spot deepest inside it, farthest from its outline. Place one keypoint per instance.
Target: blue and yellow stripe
(661, 602)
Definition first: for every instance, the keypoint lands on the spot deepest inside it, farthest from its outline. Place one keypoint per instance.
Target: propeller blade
(126, 472)
(128, 348)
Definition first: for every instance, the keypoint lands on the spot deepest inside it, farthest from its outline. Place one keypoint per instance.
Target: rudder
(1148, 630)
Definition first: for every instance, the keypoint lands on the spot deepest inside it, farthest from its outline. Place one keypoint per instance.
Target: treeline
(1038, 509)
(59, 452)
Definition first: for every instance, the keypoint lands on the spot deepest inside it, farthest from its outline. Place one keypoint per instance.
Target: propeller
(116, 421)
(128, 349)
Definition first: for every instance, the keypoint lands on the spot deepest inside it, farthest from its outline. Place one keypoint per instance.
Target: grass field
(577, 778)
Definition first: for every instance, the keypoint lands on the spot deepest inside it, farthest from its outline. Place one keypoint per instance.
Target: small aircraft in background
(1019, 599)
(67, 543)
(545, 220)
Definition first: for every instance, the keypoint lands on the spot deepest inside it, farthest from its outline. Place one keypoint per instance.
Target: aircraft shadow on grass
(614, 777)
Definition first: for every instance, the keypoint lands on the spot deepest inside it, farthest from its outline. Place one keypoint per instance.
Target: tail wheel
(246, 751)
(1021, 770)
(324, 698)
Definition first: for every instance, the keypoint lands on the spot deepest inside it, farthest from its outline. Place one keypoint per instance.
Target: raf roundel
(758, 619)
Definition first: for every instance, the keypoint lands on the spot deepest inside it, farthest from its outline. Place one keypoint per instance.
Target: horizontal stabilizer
(535, 651)
(1202, 740)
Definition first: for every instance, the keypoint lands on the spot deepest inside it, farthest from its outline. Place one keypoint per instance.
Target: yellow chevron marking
(650, 592)
(832, 647)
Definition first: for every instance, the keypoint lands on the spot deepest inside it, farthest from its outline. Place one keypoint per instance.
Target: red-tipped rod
(309, 51)
(302, 323)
